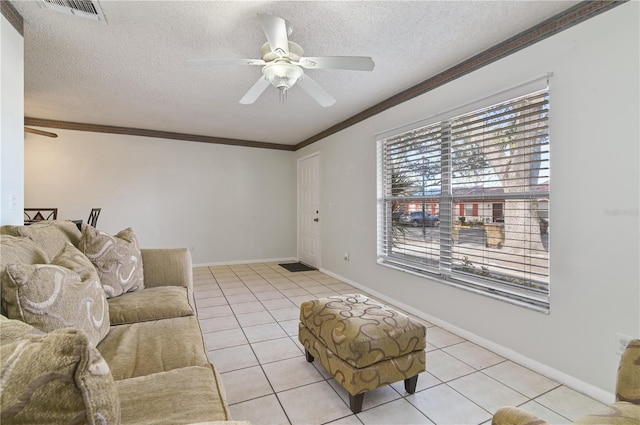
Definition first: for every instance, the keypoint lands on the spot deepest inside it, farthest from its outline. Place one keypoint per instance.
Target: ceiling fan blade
(275, 28)
(315, 91)
(207, 62)
(40, 132)
(354, 63)
(255, 91)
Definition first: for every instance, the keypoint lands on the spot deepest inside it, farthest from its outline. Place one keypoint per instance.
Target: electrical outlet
(621, 342)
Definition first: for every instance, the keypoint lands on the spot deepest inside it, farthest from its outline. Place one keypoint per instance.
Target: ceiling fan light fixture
(282, 75)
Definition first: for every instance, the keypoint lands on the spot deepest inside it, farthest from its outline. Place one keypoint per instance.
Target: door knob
(316, 219)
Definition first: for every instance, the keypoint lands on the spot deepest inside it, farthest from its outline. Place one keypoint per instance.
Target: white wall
(11, 124)
(225, 203)
(595, 187)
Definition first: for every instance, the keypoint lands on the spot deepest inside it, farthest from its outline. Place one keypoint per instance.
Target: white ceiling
(131, 71)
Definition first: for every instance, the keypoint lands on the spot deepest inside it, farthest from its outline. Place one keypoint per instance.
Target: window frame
(533, 298)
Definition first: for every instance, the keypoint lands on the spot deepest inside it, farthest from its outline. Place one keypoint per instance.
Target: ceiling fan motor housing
(295, 52)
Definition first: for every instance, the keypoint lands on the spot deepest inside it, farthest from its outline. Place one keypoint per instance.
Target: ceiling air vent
(83, 8)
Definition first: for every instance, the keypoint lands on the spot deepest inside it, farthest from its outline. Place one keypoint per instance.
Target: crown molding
(97, 128)
(12, 15)
(560, 22)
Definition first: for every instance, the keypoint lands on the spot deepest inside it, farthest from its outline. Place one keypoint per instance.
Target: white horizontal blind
(485, 175)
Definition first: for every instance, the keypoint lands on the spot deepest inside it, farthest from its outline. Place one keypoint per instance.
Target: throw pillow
(51, 235)
(56, 378)
(64, 293)
(18, 249)
(116, 258)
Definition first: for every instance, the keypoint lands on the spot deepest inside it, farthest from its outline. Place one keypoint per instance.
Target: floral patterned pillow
(116, 258)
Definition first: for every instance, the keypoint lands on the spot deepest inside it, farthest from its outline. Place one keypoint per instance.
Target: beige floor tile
(253, 319)
(243, 298)
(487, 392)
(233, 358)
(446, 367)
(210, 302)
(569, 403)
(348, 420)
(443, 405)
(291, 373)
(317, 288)
(229, 282)
(396, 412)
(545, 414)
(207, 293)
(224, 339)
(236, 290)
(294, 292)
(313, 404)
(474, 355)
(262, 288)
(245, 308)
(521, 379)
(218, 311)
(372, 398)
(264, 332)
(283, 314)
(269, 295)
(298, 300)
(278, 303)
(215, 324)
(442, 338)
(276, 349)
(245, 384)
(260, 411)
(290, 327)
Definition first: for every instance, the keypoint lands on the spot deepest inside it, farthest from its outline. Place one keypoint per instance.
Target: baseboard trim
(227, 263)
(543, 369)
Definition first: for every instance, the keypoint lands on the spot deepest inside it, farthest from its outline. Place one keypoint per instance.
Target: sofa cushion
(117, 259)
(64, 293)
(144, 348)
(56, 378)
(51, 235)
(162, 302)
(181, 396)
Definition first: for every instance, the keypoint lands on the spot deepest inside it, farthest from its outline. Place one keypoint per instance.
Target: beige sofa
(625, 410)
(94, 330)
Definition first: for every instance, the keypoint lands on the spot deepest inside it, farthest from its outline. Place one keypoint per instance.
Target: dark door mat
(297, 267)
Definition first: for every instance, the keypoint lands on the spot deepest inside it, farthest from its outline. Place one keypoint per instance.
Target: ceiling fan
(283, 62)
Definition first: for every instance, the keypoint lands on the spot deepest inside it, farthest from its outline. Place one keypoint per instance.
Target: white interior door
(309, 210)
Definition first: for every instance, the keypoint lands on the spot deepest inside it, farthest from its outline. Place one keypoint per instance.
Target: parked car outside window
(416, 219)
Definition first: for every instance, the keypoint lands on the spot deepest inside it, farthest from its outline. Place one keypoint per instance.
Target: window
(486, 173)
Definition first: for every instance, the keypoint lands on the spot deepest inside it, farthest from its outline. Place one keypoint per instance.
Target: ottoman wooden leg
(410, 384)
(308, 355)
(355, 402)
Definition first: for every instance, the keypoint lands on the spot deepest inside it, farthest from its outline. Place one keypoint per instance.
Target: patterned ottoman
(362, 343)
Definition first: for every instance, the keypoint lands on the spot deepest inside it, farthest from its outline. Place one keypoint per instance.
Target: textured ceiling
(131, 72)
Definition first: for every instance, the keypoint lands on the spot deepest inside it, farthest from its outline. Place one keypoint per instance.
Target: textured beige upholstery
(145, 364)
(362, 343)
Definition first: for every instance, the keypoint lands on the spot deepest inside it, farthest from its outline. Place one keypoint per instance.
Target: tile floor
(249, 318)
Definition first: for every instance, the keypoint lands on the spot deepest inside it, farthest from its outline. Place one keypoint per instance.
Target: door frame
(318, 256)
